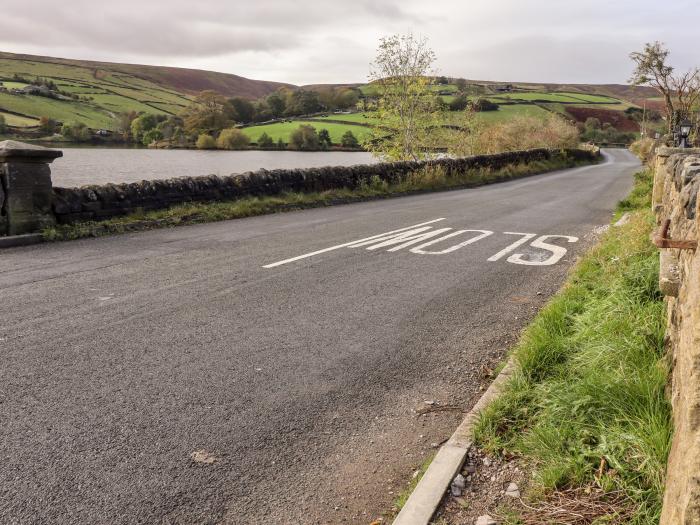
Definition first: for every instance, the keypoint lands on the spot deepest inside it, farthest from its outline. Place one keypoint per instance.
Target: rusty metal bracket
(661, 239)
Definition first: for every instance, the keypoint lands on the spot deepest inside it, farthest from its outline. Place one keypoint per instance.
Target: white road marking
(557, 251)
(306, 255)
(422, 251)
(510, 248)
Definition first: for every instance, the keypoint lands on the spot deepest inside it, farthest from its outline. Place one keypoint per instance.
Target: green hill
(101, 90)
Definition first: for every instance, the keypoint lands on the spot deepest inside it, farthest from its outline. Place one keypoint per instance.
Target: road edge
(426, 497)
(21, 240)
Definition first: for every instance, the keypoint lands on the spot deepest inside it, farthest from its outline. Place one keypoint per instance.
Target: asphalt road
(170, 377)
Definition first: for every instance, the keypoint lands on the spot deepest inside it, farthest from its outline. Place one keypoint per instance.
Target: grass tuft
(587, 405)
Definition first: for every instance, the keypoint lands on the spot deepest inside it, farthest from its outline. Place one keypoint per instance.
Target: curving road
(228, 373)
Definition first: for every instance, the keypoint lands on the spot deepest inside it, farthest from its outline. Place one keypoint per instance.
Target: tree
(443, 81)
(302, 102)
(151, 136)
(232, 138)
(461, 84)
(324, 139)
(76, 131)
(208, 112)
(122, 123)
(265, 141)
(143, 124)
(349, 140)
(244, 109)
(406, 104)
(681, 92)
(205, 141)
(281, 144)
(277, 104)
(459, 103)
(47, 125)
(484, 104)
(304, 138)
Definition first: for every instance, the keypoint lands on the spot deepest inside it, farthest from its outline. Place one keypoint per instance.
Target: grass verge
(586, 408)
(429, 179)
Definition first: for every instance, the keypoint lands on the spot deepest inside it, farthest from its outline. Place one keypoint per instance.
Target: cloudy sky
(319, 41)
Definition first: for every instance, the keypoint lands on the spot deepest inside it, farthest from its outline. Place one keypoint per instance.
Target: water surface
(82, 166)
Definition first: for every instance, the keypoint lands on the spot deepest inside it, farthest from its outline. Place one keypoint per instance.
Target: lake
(82, 166)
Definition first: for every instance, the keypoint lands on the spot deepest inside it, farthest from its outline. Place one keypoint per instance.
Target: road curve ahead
(272, 369)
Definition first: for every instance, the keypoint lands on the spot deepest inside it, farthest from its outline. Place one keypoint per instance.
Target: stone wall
(111, 200)
(675, 198)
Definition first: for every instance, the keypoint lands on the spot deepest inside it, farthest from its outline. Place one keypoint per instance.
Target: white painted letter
(421, 249)
(557, 251)
(508, 249)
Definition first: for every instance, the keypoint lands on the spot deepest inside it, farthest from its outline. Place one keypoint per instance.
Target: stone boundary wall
(90, 203)
(675, 198)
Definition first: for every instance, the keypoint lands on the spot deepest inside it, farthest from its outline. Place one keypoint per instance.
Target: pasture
(283, 130)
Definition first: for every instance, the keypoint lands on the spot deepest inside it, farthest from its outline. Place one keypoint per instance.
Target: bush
(324, 139)
(205, 141)
(265, 141)
(232, 138)
(484, 104)
(459, 103)
(3, 124)
(151, 136)
(304, 138)
(281, 144)
(349, 140)
(76, 132)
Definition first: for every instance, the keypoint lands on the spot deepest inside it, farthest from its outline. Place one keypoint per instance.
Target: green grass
(357, 118)
(194, 213)
(555, 97)
(15, 120)
(63, 111)
(591, 377)
(282, 130)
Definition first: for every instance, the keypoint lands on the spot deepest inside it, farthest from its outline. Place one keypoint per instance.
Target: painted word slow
(528, 249)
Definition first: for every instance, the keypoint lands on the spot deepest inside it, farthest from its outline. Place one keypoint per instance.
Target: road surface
(273, 369)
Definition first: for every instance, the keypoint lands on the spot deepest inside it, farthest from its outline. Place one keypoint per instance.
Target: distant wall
(675, 198)
(112, 200)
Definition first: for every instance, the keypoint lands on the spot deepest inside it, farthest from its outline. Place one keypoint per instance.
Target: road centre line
(338, 246)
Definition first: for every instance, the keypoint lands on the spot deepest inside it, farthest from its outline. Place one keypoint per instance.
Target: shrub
(324, 139)
(151, 136)
(3, 124)
(643, 148)
(304, 138)
(281, 144)
(265, 141)
(205, 141)
(76, 131)
(232, 138)
(484, 104)
(459, 103)
(349, 140)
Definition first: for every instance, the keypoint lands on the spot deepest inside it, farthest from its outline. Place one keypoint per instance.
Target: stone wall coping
(665, 151)
(14, 150)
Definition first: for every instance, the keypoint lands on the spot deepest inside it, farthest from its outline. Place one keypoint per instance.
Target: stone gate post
(25, 187)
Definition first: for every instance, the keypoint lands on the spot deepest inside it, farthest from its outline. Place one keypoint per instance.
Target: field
(282, 130)
(15, 120)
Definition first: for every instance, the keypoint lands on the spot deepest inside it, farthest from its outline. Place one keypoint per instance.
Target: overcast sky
(330, 41)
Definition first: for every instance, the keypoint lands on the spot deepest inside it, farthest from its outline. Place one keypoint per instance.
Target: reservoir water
(82, 166)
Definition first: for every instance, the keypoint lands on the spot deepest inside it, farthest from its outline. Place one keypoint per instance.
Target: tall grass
(587, 404)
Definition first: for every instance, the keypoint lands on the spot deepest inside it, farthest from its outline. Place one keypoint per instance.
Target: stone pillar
(25, 187)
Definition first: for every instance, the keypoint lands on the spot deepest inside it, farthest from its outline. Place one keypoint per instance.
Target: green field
(356, 118)
(15, 120)
(554, 97)
(282, 130)
(108, 92)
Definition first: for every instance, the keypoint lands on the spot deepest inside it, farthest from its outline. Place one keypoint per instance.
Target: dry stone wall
(675, 198)
(111, 200)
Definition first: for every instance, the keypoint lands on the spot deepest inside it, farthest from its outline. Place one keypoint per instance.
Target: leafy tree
(151, 136)
(348, 140)
(142, 124)
(461, 84)
(122, 123)
(443, 81)
(262, 111)
(303, 102)
(592, 123)
(209, 111)
(324, 139)
(205, 141)
(244, 109)
(406, 103)
(265, 141)
(304, 138)
(277, 104)
(232, 138)
(76, 132)
(281, 144)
